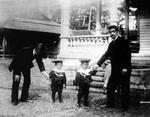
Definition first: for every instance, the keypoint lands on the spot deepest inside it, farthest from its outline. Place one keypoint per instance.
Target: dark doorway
(17, 39)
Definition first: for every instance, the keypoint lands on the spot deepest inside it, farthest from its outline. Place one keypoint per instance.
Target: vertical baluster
(76, 42)
(95, 46)
(73, 42)
(99, 39)
(81, 44)
(74, 45)
(78, 45)
(89, 42)
(89, 45)
(85, 42)
(80, 39)
(69, 42)
(92, 42)
(96, 42)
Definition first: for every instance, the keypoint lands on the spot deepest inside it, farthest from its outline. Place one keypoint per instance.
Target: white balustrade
(88, 44)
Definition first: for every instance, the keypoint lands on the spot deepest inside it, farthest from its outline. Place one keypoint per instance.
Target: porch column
(113, 13)
(65, 18)
(98, 17)
(65, 31)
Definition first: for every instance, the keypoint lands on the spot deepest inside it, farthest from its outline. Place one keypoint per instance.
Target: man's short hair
(113, 27)
(40, 48)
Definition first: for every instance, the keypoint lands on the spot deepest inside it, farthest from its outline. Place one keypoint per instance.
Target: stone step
(141, 87)
(144, 47)
(97, 84)
(139, 60)
(147, 46)
(101, 74)
(98, 78)
(144, 42)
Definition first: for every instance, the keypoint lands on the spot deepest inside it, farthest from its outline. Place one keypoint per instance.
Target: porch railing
(84, 46)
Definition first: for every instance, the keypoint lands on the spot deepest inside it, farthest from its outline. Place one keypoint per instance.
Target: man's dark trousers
(124, 82)
(25, 88)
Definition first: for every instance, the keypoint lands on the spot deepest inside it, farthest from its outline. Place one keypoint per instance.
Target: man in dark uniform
(120, 56)
(22, 63)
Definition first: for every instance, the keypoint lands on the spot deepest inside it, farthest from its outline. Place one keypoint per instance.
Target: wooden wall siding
(144, 24)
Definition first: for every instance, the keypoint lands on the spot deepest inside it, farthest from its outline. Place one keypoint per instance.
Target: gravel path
(42, 106)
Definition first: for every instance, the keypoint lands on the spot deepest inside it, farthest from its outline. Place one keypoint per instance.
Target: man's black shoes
(61, 101)
(86, 104)
(28, 101)
(14, 103)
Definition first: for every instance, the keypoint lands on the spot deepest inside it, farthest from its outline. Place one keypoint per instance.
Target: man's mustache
(112, 35)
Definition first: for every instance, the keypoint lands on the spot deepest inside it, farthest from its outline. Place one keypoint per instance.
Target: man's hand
(44, 73)
(124, 71)
(17, 78)
(65, 86)
(95, 67)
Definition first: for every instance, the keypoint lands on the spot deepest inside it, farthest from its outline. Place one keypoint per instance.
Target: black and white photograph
(74, 58)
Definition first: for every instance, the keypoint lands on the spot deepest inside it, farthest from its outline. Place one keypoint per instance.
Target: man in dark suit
(22, 63)
(120, 56)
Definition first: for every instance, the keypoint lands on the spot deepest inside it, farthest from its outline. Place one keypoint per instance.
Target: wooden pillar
(65, 18)
(113, 12)
(98, 17)
(65, 31)
(126, 19)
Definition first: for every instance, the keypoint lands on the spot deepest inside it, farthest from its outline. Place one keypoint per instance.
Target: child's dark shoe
(86, 104)
(61, 101)
(53, 101)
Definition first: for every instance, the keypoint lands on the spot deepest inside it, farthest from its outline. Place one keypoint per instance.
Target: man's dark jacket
(23, 60)
(120, 55)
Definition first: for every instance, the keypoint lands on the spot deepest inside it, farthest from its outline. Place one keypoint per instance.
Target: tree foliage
(80, 17)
